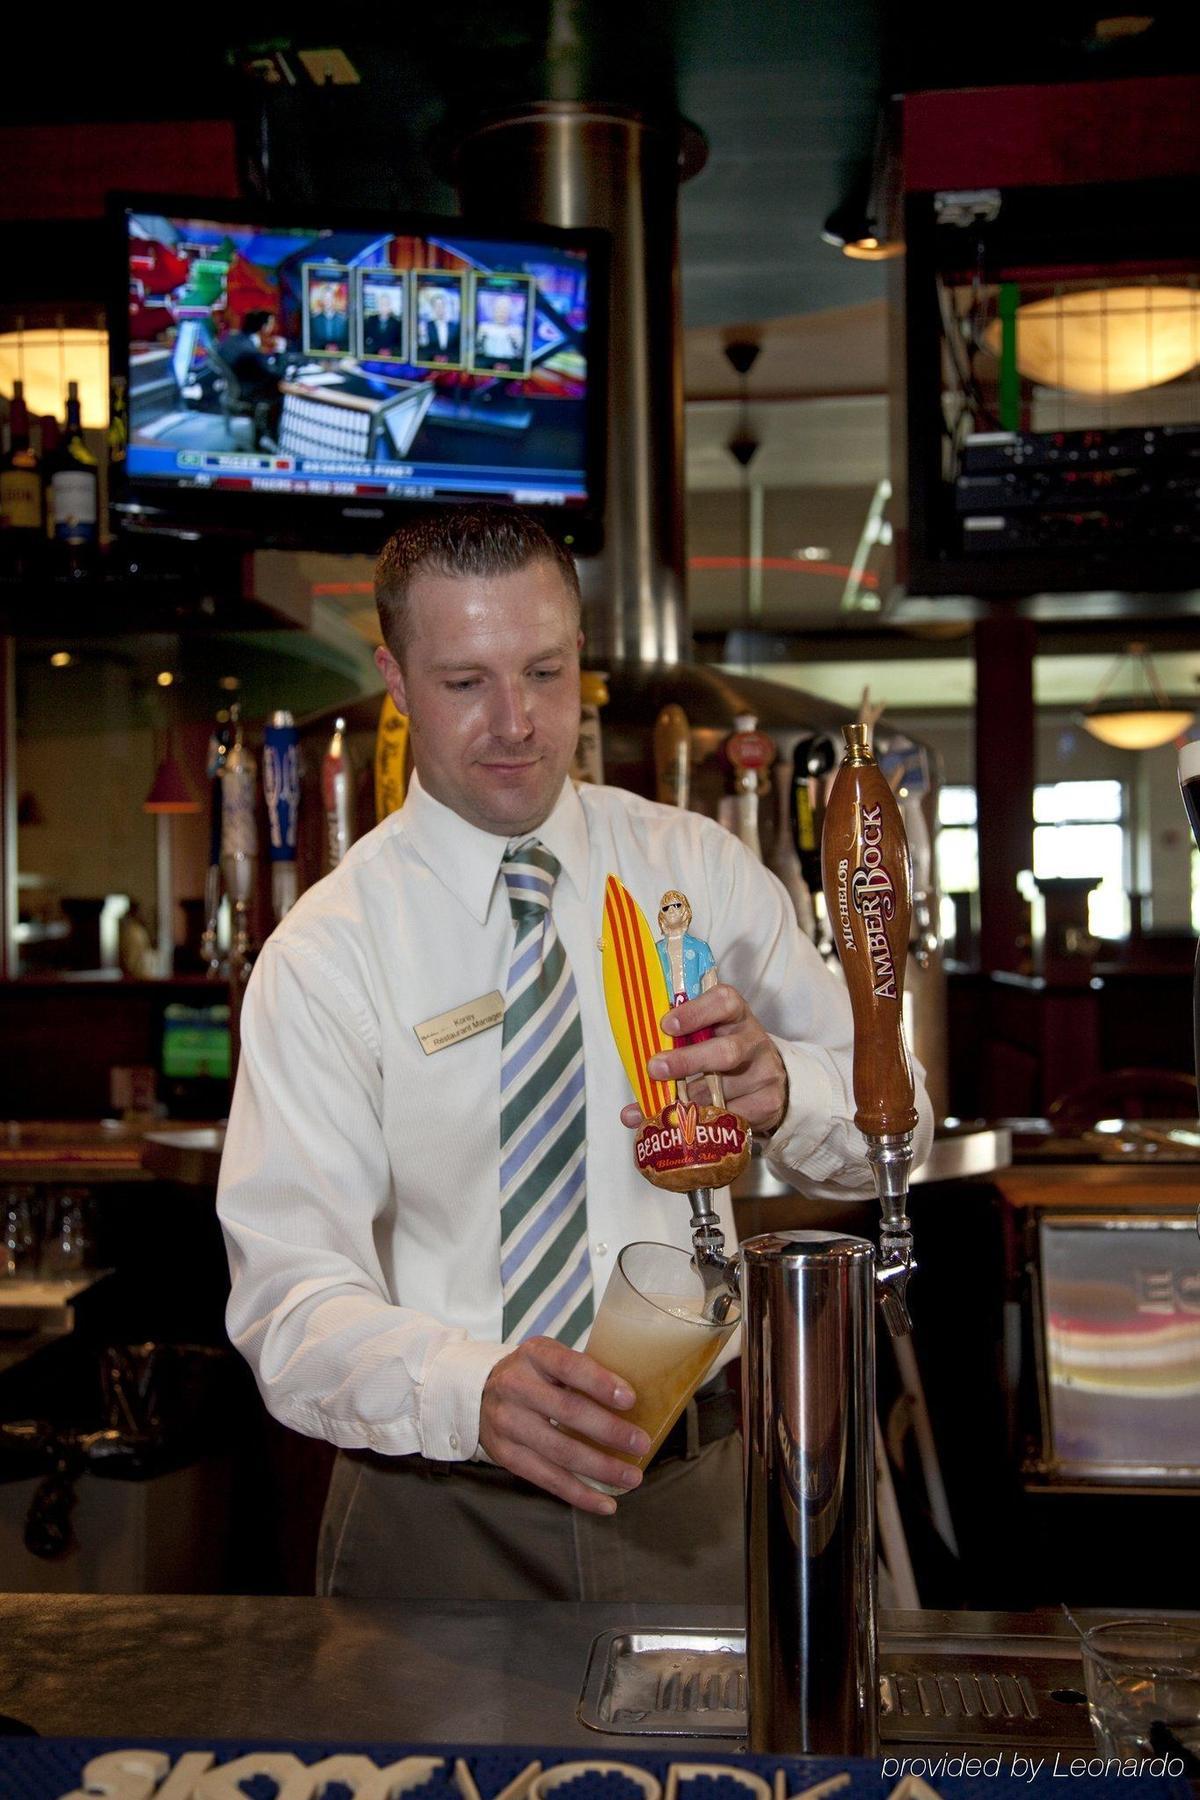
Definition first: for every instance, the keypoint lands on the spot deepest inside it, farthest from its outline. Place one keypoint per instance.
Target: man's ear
(393, 676)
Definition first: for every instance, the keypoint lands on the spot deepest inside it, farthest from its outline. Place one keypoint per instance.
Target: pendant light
(1107, 340)
(1144, 721)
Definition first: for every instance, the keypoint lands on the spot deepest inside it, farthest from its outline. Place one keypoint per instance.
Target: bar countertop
(307, 1669)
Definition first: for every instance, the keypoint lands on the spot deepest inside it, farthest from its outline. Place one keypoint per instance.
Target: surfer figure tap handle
(690, 970)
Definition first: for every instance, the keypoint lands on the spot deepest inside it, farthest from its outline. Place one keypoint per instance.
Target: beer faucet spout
(890, 1157)
(719, 1273)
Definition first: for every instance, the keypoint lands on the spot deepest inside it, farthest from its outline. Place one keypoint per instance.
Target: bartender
(426, 1182)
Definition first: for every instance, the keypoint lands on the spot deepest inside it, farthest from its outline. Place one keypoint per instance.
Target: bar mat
(196, 1769)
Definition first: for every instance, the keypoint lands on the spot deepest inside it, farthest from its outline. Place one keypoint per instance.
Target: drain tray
(1016, 1691)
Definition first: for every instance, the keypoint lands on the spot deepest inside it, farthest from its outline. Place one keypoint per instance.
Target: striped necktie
(544, 1267)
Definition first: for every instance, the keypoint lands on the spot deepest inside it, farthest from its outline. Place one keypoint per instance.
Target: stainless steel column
(808, 1389)
(564, 162)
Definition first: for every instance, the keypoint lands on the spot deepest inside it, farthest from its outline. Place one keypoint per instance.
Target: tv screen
(306, 382)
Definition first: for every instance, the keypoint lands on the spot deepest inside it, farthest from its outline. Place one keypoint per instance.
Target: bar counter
(301, 1669)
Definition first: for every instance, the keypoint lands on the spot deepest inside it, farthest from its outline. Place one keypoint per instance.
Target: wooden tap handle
(868, 889)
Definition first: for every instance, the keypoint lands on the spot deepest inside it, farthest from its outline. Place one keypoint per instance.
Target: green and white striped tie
(544, 1266)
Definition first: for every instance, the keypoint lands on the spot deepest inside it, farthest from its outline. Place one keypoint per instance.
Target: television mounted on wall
(308, 380)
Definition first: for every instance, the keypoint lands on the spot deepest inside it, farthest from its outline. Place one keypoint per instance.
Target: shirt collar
(467, 860)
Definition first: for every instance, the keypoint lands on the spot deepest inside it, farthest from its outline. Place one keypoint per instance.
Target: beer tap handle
(672, 756)
(750, 753)
(868, 885)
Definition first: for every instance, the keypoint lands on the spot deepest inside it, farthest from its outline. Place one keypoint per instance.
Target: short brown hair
(465, 541)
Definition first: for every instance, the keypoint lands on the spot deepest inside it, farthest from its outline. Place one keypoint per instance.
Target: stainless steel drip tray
(1016, 1691)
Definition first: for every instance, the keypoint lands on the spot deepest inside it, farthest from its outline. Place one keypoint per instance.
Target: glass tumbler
(19, 1255)
(67, 1245)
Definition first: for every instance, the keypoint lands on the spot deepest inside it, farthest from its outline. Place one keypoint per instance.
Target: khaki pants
(407, 1529)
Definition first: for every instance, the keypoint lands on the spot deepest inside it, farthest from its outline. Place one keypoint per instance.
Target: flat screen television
(305, 382)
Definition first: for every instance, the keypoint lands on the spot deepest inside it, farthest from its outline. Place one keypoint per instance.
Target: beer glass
(1143, 1687)
(651, 1330)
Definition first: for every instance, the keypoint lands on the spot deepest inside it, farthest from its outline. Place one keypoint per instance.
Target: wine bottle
(1189, 786)
(50, 445)
(75, 496)
(20, 493)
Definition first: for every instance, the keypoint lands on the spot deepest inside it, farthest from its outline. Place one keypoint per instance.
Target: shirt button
(453, 1440)
(600, 1249)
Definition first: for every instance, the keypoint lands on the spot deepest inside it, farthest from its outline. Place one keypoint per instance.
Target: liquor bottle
(75, 496)
(20, 494)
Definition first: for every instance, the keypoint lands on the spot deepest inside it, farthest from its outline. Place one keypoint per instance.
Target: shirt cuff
(450, 1394)
(800, 1141)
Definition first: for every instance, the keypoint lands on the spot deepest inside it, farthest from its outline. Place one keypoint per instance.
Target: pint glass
(651, 1330)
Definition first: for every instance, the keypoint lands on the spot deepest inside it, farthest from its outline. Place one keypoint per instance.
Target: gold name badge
(461, 1022)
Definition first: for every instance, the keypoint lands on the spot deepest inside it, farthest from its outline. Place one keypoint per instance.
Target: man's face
(502, 309)
(490, 683)
(438, 304)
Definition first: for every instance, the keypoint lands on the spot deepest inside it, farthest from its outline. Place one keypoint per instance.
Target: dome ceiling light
(1144, 721)
(1109, 340)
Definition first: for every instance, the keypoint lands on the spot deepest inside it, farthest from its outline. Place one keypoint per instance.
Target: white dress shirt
(359, 1189)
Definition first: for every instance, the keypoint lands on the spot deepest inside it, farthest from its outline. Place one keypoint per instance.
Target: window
(1078, 829)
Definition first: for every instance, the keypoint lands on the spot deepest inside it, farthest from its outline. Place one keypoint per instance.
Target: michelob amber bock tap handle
(868, 890)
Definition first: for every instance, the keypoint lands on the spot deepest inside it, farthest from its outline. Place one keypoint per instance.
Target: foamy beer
(651, 1329)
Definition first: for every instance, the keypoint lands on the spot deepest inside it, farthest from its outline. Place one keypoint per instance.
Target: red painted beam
(1053, 136)
(65, 171)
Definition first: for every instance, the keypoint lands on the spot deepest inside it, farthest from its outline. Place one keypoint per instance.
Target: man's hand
(740, 1052)
(542, 1385)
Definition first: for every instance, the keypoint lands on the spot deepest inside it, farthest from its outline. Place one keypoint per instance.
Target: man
(328, 322)
(425, 1185)
(383, 326)
(253, 355)
(440, 335)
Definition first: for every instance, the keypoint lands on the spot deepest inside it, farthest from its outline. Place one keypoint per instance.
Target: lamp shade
(1137, 728)
(46, 360)
(1114, 340)
(171, 792)
(1146, 719)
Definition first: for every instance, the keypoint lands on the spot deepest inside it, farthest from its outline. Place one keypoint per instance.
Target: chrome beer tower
(808, 1355)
